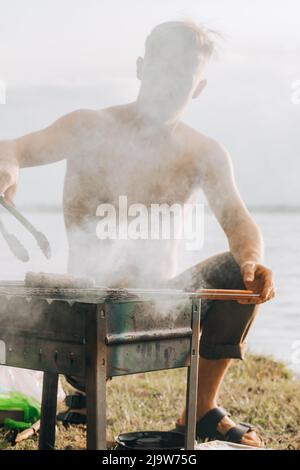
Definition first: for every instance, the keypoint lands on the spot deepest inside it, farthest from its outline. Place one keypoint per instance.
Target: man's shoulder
(202, 148)
(85, 119)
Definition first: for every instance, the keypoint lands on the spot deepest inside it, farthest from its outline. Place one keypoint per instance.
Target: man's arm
(49, 145)
(54, 143)
(244, 237)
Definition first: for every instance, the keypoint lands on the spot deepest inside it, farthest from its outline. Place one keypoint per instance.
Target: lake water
(276, 330)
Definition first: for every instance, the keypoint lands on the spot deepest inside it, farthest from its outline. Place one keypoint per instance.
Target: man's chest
(145, 175)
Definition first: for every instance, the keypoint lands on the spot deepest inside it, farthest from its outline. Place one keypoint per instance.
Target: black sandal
(74, 402)
(71, 417)
(206, 427)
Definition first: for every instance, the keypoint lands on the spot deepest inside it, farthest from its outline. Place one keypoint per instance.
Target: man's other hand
(258, 278)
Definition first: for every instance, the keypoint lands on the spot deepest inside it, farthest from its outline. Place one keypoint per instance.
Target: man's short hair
(199, 39)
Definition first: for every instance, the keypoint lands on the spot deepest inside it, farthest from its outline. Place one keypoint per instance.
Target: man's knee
(220, 271)
(225, 329)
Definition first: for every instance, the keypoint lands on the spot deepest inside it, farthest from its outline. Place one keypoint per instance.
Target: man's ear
(139, 67)
(201, 85)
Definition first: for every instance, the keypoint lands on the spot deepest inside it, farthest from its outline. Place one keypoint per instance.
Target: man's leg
(225, 325)
(210, 376)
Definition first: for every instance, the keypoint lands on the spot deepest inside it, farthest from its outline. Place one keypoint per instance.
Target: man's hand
(9, 173)
(259, 279)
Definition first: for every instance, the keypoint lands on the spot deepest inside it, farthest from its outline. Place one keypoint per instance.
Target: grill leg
(48, 411)
(96, 379)
(192, 378)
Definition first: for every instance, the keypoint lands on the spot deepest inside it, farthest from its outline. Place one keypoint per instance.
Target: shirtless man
(143, 151)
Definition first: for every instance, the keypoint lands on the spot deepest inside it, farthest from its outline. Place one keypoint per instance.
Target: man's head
(176, 53)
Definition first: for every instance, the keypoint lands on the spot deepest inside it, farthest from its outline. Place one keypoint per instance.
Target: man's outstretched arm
(54, 143)
(244, 237)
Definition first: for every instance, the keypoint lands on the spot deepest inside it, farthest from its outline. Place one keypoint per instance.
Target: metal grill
(98, 333)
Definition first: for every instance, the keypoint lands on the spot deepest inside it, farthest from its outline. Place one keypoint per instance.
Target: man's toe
(251, 439)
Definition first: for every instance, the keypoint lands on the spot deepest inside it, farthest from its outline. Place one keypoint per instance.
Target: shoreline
(255, 209)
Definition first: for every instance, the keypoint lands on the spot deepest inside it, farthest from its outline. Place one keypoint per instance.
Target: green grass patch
(258, 390)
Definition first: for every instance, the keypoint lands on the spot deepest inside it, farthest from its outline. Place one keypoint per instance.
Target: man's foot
(76, 412)
(224, 425)
(250, 438)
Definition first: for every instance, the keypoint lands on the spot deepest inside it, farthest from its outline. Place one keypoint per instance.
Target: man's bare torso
(115, 158)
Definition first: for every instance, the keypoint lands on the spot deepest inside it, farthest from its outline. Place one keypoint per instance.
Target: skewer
(19, 288)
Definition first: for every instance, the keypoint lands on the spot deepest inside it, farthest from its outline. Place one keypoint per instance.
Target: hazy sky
(81, 53)
(57, 41)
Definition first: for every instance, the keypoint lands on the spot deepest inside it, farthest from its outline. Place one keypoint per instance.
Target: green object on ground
(17, 401)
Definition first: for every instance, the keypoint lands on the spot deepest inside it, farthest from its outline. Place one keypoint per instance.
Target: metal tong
(14, 244)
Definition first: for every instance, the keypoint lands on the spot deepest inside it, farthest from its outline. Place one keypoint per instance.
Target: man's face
(169, 76)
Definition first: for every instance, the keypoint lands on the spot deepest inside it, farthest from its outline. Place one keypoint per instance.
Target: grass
(259, 391)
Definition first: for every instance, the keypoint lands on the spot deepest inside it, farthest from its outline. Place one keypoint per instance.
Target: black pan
(150, 440)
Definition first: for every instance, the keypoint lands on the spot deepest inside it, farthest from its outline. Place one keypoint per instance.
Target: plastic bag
(27, 382)
(17, 401)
